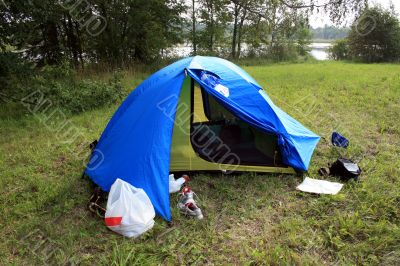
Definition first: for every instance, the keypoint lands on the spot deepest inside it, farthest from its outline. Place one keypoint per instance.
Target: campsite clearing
(248, 218)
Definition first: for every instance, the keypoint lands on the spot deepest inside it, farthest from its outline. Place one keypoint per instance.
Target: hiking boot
(187, 205)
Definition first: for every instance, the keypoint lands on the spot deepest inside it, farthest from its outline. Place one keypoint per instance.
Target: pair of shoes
(187, 204)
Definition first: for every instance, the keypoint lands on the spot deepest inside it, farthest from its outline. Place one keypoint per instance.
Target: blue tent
(136, 144)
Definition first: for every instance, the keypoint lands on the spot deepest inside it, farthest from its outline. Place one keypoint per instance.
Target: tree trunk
(79, 44)
(72, 40)
(51, 47)
(211, 44)
(234, 34)
(194, 29)
(272, 27)
(240, 32)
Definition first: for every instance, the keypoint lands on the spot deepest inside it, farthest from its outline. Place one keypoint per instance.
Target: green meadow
(249, 218)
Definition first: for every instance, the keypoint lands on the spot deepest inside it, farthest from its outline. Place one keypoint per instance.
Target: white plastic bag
(175, 185)
(129, 210)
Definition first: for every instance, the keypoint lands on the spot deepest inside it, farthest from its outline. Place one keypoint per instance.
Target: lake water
(318, 50)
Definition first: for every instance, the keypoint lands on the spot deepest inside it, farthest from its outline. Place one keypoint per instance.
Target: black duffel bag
(345, 169)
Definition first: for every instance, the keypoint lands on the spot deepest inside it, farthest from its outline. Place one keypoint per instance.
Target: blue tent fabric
(136, 144)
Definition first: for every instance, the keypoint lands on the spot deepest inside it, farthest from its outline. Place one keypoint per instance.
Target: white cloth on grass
(319, 186)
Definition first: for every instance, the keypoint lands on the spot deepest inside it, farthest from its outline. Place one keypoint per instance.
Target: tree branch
(311, 5)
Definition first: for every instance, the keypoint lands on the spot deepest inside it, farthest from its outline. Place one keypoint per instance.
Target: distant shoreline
(323, 40)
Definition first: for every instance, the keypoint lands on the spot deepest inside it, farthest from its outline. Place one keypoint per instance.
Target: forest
(329, 33)
(122, 32)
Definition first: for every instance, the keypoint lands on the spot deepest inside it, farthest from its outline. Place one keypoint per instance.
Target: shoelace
(194, 195)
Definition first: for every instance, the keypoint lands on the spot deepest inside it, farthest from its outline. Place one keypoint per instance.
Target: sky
(320, 19)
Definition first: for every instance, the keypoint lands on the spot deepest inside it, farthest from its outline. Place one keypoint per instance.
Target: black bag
(345, 169)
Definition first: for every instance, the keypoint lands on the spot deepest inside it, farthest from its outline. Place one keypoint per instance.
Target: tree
(339, 50)
(375, 36)
(33, 26)
(241, 17)
(279, 32)
(136, 30)
(213, 19)
(302, 37)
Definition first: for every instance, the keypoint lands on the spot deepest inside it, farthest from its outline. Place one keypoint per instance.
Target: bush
(77, 96)
(59, 85)
(282, 51)
(339, 50)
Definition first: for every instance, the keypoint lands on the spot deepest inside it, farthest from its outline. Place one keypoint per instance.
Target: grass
(249, 218)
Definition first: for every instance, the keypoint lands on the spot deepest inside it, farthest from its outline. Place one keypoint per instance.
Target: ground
(249, 218)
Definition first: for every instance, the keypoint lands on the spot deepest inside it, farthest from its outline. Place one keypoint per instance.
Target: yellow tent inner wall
(183, 157)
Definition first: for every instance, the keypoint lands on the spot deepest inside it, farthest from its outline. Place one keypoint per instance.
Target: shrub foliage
(339, 50)
(58, 84)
